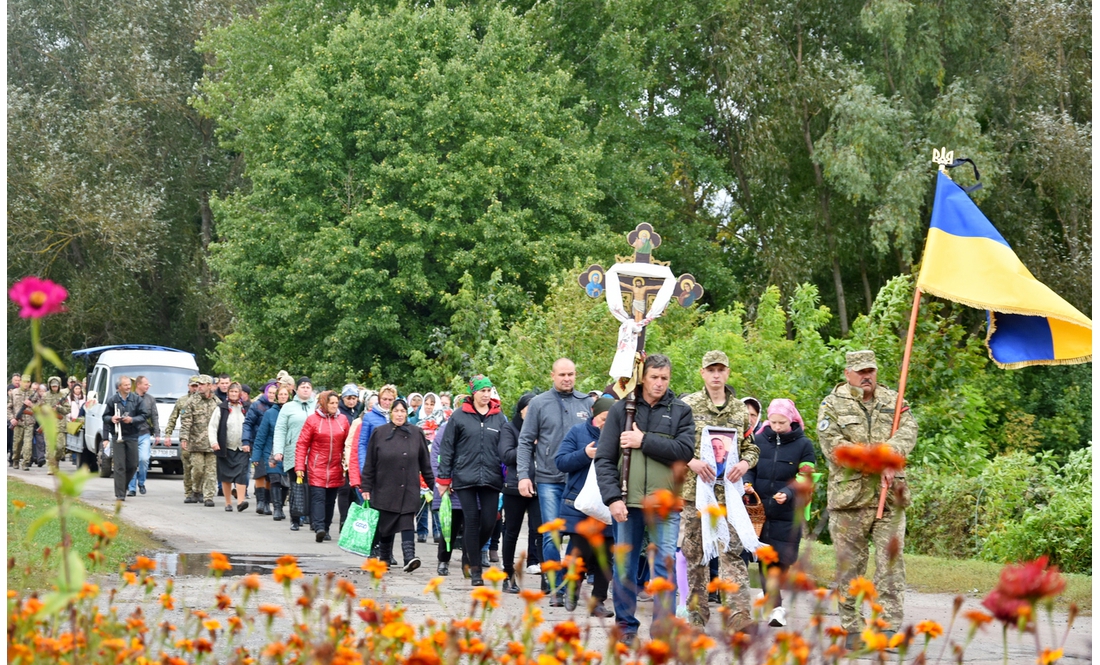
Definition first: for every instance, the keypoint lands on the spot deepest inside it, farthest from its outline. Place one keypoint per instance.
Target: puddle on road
(198, 563)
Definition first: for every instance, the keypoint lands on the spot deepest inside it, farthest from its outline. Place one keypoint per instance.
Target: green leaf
(50, 514)
(54, 602)
(89, 516)
(72, 484)
(77, 573)
(51, 355)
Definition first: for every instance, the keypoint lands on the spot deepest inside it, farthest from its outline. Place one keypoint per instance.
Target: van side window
(101, 385)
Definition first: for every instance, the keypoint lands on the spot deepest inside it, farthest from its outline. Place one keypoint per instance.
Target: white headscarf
(436, 414)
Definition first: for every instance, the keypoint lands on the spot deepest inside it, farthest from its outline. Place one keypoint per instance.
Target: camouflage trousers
(204, 474)
(730, 568)
(853, 531)
(185, 458)
(22, 444)
(57, 452)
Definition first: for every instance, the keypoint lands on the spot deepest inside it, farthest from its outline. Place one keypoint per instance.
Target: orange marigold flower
(725, 586)
(433, 585)
(486, 596)
(930, 628)
(658, 651)
(287, 573)
(398, 630)
(716, 511)
(835, 631)
(224, 601)
(375, 567)
(592, 530)
(875, 641)
(861, 586)
(662, 502)
(219, 563)
(547, 659)
(251, 582)
(899, 639)
(551, 566)
(702, 643)
(553, 526)
(129, 577)
(530, 595)
(109, 529)
(977, 617)
(659, 585)
(347, 588)
(286, 560)
(185, 645)
(144, 563)
(567, 630)
(871, 460)
(167, 601)
(270, 609)
(423, 655)
(275, 650)
(494, 575)
(211, 624)
(1049, 656)
(21, 505)
(89, 590)
(767, 555)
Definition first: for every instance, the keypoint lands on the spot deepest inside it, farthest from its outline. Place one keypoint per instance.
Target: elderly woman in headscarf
(397, 456)
(754, 408)
(226, 430)
(266, 467)
(252, 421)
(414, 402)
(785, 452)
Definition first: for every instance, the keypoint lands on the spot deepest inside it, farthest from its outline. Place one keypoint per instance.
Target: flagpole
(901, 386)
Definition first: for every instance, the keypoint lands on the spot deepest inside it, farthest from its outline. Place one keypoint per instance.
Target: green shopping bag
(445, 518)
(357, 536)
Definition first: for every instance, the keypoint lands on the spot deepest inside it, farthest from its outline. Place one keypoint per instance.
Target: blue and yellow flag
(966, 260)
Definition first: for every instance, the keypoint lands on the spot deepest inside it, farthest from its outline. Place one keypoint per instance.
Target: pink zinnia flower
(38, 297)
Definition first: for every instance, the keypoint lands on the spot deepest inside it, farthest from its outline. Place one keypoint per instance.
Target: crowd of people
(410, 456)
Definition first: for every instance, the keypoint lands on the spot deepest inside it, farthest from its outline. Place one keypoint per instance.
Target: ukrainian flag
(966, 260)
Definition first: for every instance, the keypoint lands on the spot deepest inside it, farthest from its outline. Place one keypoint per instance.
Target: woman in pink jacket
(320, 454)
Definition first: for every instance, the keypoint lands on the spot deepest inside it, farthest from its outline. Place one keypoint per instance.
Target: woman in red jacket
(320, 454)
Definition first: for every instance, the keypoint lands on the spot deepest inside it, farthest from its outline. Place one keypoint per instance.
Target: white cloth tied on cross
(623, 364)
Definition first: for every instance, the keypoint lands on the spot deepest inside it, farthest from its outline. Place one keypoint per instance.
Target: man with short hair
(185, 455)
(861, 412)
(21, 417)
(550, 416)
(716, 406)
(123, 413)
(663, 436)
(222, 393)
(146, 431)
(58, 404)
(195, 437)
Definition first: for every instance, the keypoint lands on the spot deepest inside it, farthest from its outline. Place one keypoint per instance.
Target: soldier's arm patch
(823, 425)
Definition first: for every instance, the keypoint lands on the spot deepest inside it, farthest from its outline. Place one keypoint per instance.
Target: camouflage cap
(54, 379)
(715, 358)
(26, 378)
(205, 380)
(860, 360)
(194, 380)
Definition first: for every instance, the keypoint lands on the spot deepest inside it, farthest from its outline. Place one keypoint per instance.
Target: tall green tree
(402, 149)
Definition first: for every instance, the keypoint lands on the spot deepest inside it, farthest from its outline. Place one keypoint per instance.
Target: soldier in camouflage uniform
(716, 406)
(861, 411)
(20, 404)
(58, 402)
(185, 455)
(194, 437)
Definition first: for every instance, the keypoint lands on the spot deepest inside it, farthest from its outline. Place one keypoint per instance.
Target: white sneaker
(533, 569)
(779, 617)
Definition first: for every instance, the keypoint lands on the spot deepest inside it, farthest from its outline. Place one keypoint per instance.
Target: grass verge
(28, 567)
(929, 574)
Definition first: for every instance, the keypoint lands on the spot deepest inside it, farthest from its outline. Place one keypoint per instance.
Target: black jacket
(469, 455)
(669, 429)
(781, 455)
(509, 441)
(131, 406)
(396, 458)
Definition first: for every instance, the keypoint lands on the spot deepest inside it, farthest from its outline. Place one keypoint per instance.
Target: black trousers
(514, 509)
(579, 546)
(344, 497)
(479, 508)
(124, 458)
(322, 505)
(458, 523)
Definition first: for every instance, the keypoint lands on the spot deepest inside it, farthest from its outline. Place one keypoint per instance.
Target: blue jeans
(625, 594)
(550, 508)
(145, 447)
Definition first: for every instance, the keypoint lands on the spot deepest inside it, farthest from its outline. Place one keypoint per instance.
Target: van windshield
(164, 382)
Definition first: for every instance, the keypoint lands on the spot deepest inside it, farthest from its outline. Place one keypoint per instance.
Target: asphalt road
(251, 541)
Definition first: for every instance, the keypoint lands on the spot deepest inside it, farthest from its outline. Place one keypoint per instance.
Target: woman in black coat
(397, 455)
(515, 504)
(469, 464)
(785, 452)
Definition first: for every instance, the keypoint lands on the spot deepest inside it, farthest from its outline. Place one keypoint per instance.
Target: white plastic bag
(589, 501)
